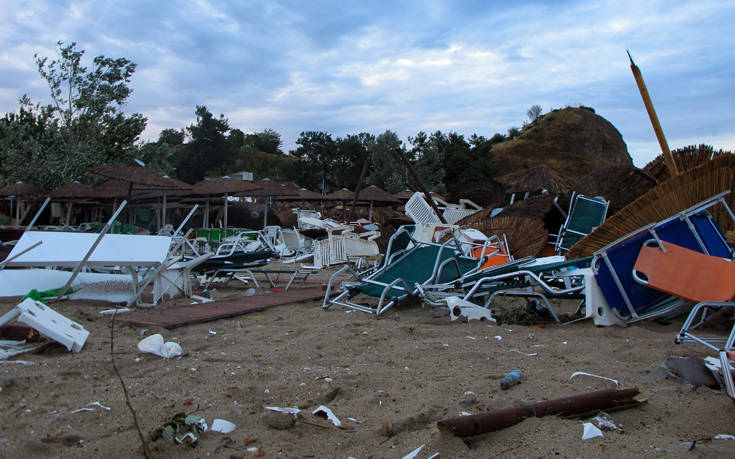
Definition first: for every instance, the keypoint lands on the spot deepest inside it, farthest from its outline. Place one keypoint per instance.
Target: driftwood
(467, 426)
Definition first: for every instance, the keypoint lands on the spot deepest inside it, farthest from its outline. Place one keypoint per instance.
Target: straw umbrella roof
(303, 194)
(134, 172)
(536, 178)
(374, 193)
(71, 191)
(341, 195)
(268, 187)
(404, 195)
(20, 190)
(620, 185)
(221, 186)
(112, 188)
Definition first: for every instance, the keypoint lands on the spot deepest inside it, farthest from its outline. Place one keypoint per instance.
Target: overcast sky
(346, 67)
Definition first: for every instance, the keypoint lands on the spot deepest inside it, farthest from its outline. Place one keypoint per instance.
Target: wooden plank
(204, 312)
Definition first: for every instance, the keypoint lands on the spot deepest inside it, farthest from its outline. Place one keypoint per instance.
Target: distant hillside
(573, 141)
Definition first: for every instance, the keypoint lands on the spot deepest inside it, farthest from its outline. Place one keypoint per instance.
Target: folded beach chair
(704, 279)
(630, 300)
(546, 279)
(585, 214)
(402, 273)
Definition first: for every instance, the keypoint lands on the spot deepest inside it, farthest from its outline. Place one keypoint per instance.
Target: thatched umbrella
(221, 186)
(340, 195)
(71, 193)
(620, 185)
(404, 195)
(663, 201)
(270, 189)
(375, 194)
(16, 191)
(303, 194)
(534, 179)
(526, 236)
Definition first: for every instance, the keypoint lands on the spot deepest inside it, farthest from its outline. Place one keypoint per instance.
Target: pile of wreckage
(651, 259)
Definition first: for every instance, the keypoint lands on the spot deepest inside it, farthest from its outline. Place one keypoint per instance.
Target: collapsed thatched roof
(534, 179)
(20, 190)
(620, 185)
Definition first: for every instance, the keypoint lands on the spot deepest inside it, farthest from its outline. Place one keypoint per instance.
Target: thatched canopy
(223, 186)
(270, 188)
(620, 185)
(404, 195)
(71, 191)
(303, 194)
(20, 190)
(665, 200)
(526, 236)
(376, 194)
(341, 195)
(134, 172)
(534, 179)
(112, 188)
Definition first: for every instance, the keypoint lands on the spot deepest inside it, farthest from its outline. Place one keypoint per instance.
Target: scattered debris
(414, 453)
(222, 426)
(324, 412)
(590, 431)
(724, 437)
(582, 373)
(181, 429)
(49, 323)
(470, 398)
(154, 345)
(459, 307)
(692, 370)
(511, 379)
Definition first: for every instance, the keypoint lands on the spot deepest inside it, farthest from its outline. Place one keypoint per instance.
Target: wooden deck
(204, 312)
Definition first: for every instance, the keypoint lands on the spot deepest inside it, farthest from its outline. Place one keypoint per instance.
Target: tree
(534, 112)
(85, 122)
(208, 151)
(386, 168)
(429, 153)
(267, 141)
(352, 152)
(316, 154)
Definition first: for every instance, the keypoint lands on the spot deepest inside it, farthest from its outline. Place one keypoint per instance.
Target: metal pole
(97, 241)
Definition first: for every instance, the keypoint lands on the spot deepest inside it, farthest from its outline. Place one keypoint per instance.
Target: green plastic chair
(585, 214)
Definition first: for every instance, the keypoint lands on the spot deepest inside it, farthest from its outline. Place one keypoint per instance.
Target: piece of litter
(604, 423)
(354, 420)
(252, 449)
(324, 412)
(470, 337)
(79, 410)
(154, 345)
(17, 362)
(212, 332)
(414, 453)
(590, 431)
(465, 413)
(582, 373)
(108, 312)
(563, 342)
(532, 354)
(222, 426)
(294, 411)
(202, 299)
(100, 405)
(498, 337)
(724, 437)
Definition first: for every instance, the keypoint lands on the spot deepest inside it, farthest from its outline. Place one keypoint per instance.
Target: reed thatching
(20, 190)
(526, 235)
(71, 191)
(133, 172)
(663, 201)
(620, 185)
(269, 188)
(686, 158)
(534, 179)
(222, 186)
(341, 195)
(376, 194)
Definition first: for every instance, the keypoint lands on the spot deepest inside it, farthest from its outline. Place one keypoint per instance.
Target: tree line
(85, 125)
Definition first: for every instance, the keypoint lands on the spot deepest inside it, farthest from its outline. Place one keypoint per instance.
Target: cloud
(349, 67)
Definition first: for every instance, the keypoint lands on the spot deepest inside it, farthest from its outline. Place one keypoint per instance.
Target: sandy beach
(408, 369)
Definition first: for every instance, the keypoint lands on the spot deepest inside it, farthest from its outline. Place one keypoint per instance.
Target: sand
(410, 368)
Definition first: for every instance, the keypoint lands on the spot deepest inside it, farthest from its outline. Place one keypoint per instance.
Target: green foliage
(84, 126)
(267, 141)
(386, 168)
(352, 152)
(209, 151)
(428, 153)
(315, 154)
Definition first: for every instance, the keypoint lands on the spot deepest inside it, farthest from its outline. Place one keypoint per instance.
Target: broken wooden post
(467, 426)
(668, 157)
(357, 190)
(421, 186)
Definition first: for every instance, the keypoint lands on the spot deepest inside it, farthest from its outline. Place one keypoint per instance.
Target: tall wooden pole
(421, 186)
(668, 157)
(363, 173)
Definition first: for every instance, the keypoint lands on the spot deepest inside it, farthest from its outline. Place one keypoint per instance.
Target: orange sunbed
(686, 273)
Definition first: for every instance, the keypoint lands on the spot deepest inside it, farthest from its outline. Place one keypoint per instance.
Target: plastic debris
(222, 426)
(459, 307)
(511, 379)
(294, 411)
(154, 345)
(582, 373)
(414, 453)
(724, 437)
(91, 404)
(109, 312)
(604, 422)
(323, 411)
(532, 354)
(590, 431)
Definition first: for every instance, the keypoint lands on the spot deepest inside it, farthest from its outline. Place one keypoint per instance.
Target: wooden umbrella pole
(421, 186)
(363, 173)
(668, 157)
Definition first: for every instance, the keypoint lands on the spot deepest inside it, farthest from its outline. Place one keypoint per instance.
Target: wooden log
(467, 426)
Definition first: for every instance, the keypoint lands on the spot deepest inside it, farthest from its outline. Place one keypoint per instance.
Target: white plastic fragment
(202, 299)
(582, 373)
(100, 405)
(154, 345)
(590, 431)
(49, 323)
(414, 453)
(212, 332)
(109, 312)
(326, 412)
(532, 354)
(91, 404)
(294, 411)
(605, 424)
(724, 437)
(222, 426)
(470, 337)
(498, 337)
(459, 307)
(79, 410)
(17, 362)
